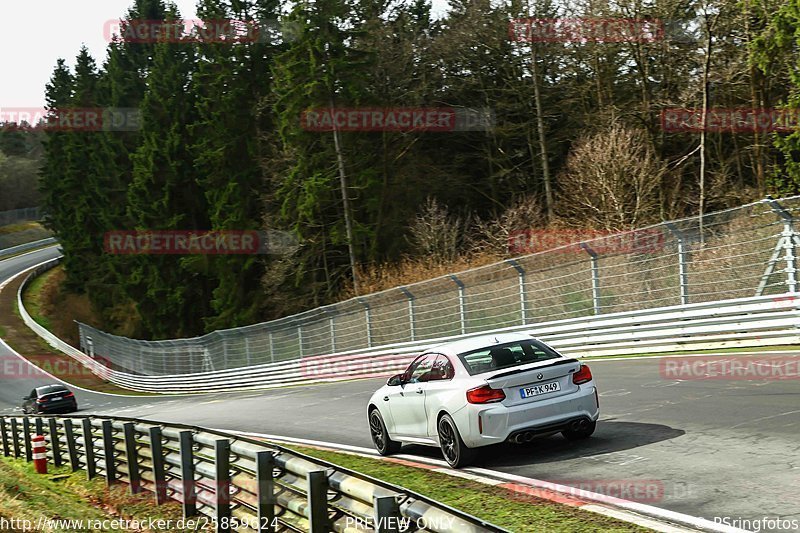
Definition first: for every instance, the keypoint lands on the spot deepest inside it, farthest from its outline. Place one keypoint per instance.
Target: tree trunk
(548, 189)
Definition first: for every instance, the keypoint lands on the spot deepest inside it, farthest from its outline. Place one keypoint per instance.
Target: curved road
(719, 448)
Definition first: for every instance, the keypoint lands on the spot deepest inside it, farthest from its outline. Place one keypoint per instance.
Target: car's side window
(32, 394)
(421, 368)
(410, 369)
(441, 370)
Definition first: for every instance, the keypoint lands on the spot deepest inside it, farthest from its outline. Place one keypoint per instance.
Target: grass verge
(32, 298)
(24, 341)
(61, 494)
(511, 510)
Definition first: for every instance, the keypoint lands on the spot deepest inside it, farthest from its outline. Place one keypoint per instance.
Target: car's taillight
(583, 375)
(485, 394)
(40, 400)
(69, 395)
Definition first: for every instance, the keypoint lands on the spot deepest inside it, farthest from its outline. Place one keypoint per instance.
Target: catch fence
(744, 252)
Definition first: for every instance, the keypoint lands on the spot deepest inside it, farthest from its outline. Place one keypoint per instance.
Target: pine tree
(56, 195)
(231, 80)
(164, 195)
(319, 69)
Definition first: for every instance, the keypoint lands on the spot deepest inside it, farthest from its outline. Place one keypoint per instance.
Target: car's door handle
(419, 391)
(385, 398)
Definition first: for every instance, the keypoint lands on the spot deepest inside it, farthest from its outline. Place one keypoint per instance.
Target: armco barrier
(756, 321)
(6, 252)
(237, 483)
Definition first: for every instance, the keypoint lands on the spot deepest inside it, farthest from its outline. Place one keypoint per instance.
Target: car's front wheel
(453, 448)
(582, 430)
(380, 435)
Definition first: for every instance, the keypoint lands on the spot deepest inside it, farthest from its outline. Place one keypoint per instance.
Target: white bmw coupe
(471, 393)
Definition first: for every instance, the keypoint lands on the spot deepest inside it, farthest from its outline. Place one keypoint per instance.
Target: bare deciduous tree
(492, 235)
(611, 179)
(435, 232)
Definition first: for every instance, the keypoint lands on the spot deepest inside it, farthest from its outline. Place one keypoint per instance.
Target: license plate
(536, 390)
(55, 399)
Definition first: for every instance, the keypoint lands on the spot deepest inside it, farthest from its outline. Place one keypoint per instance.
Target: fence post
(387, 514)
(55, 443)
(159, 476)
(88, 448)
(222, 477)
(595, 278)
(4, 435)
(368, 318)
(187, 474)
(411, 322)
(72, 449)
(331, 327)
(300, 338)
(521, 276)
(26, 438)
(271, 348)
(788, 237)
(15, 437)
(318, 502)
(108, 452)
(462, 313)
(247, 349)
(265, 487)
(132, 456)
(683, 277)
(37, 422)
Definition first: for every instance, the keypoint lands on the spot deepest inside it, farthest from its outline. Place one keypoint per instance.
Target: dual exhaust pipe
(527, 436)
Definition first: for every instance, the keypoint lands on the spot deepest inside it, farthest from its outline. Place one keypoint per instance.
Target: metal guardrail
(738, 253)
(754, 321)
(6, 252)
(238, 483)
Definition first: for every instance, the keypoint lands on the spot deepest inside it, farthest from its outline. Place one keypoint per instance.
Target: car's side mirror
(397, 379)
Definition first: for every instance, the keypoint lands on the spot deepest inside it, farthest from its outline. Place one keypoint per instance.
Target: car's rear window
(49, 389)
(506, 355)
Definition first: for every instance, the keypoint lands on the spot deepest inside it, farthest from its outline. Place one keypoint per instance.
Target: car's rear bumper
(482, 425)
(58, 407)
(523, 435)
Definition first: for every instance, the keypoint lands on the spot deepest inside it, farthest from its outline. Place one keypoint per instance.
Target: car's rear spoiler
(527, 368)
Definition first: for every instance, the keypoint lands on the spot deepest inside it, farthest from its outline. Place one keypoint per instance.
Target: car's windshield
(506, 355)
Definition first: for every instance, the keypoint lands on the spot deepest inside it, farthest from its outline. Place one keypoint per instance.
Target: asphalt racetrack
(714, 447)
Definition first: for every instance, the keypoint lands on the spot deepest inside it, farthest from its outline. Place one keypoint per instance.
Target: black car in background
(49, 399)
